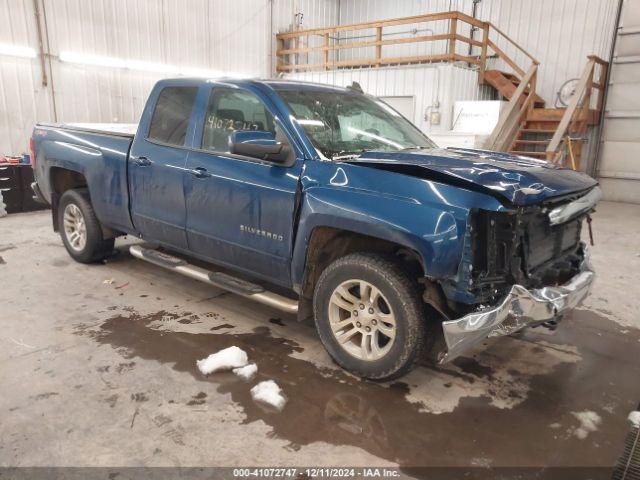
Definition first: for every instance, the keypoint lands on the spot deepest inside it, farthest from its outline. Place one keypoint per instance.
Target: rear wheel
(370, 316)
(80, 229)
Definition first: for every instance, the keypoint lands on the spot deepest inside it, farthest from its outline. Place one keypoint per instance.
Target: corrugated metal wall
(235, 36)
(559, 33)
(619, 165)
(427, 84)
(227, 35)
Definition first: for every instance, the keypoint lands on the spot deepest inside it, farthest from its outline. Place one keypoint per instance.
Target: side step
(217, 279)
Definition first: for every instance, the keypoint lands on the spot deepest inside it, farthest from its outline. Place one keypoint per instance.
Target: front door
(240, 210)
(156, 166)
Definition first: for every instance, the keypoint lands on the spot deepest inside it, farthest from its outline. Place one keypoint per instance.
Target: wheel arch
(327, 244)
(62, 179)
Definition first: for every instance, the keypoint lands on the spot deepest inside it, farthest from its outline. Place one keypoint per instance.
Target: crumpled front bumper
(519, 309)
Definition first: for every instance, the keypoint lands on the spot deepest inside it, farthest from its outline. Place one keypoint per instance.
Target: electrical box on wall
(434, 117)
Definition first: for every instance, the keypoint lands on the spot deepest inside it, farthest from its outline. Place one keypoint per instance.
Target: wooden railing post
(532, 89)
(453, 32)
(326, 51)
(585, 81)
(280, 59)
(378, 45)
(483, 53)
(293, 44)
(602, 79)
(502, 134)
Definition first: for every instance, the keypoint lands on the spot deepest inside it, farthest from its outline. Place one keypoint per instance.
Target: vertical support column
(378, 46)
(532, 93)
(602, 80)
(583, 125)
(41, 53)
(483, 53)
(453, 31)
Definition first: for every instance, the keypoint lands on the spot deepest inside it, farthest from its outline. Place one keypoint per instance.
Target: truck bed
(119, 129)
(97, 152)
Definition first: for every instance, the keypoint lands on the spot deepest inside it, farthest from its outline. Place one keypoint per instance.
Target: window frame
(193, 110)
(201, 115)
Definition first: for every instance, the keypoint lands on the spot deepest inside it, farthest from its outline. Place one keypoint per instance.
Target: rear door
(240, 210)
(156, 165)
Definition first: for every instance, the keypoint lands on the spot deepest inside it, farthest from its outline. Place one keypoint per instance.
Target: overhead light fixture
(140, 65)
(17, 51)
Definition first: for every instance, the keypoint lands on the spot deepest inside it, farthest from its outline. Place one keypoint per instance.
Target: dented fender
(425, 216)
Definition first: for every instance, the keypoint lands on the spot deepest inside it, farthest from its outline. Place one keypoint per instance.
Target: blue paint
(258, 217)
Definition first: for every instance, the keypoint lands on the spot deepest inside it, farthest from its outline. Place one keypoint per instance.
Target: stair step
(537, 130)
(533, 142)
(528, 154)
(506, 84)
(217, 279)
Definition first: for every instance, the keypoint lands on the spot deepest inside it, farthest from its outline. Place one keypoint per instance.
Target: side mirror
(259, 144)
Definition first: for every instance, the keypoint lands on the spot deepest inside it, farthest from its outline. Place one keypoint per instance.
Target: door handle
(200, 172)
(142, 161)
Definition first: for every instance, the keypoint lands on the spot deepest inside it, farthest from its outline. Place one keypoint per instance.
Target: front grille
(628, 465)
(545, 242)
(522, 247)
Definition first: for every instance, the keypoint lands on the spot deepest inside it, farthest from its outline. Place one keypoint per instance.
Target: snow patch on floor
(589, 422)
(227, 359)
(634, 419)
(269, 392)
(247, 372)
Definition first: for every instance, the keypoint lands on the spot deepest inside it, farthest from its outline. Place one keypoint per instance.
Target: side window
(171, 115)
(232, 109)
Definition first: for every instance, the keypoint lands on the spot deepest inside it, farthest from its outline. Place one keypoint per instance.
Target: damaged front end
(523, 267)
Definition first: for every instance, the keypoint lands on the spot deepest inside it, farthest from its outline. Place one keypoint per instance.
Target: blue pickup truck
(327, 202)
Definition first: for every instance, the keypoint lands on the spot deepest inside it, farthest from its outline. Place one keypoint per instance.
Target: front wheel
(80, 229)
(370, 316)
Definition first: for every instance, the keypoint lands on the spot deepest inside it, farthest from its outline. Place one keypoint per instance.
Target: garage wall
(232, 36)
(619, 162)
(559, 33)
(425, 84)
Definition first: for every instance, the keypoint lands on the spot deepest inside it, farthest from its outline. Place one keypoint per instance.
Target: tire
(398, 349)
(76, 204)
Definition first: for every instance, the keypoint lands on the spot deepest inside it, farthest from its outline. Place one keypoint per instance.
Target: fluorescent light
(17, 51)
(97, 60)
(140, 65)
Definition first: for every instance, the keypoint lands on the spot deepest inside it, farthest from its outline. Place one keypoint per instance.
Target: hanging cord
(589, 220)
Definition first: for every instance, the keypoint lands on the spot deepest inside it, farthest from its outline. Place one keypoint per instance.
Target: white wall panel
(559, 33)
(426, 83)
(236, 36)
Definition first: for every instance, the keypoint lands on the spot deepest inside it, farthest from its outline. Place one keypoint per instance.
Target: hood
(520, 180)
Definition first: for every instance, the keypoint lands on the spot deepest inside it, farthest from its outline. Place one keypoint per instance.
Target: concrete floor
(97, 367)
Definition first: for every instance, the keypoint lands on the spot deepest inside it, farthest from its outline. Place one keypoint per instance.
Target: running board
(217, 279)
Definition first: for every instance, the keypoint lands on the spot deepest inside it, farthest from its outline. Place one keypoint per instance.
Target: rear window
(171, 116)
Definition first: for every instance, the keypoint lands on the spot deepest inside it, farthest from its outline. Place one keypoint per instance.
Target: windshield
(344, 124)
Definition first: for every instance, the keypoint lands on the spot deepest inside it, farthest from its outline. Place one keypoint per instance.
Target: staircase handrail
(516, 109)
(291, 44)
(578, 109)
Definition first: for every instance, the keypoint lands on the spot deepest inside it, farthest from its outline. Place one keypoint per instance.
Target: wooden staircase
(506, 84)
(528, 128)
(525, 126)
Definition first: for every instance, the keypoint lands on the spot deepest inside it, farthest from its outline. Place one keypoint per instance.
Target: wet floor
(97, 368)
(522, 412)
